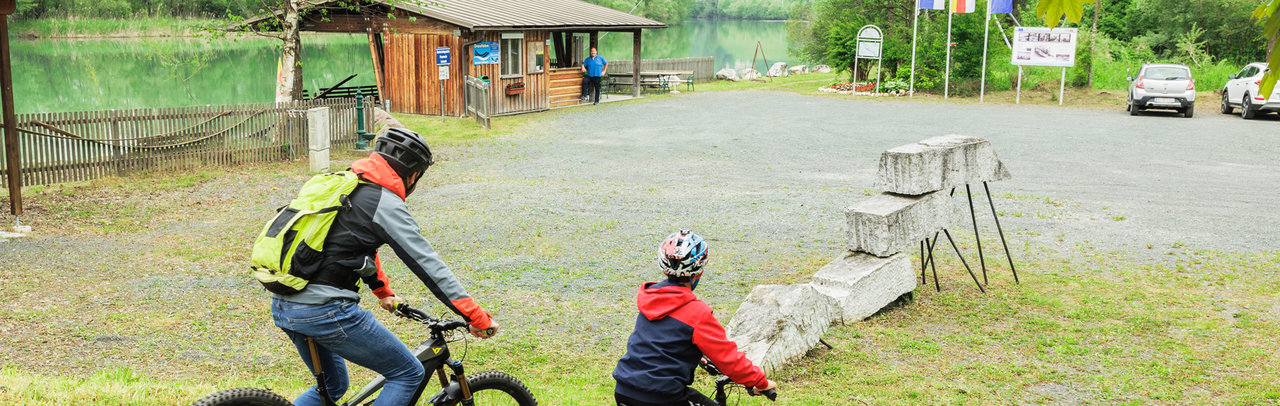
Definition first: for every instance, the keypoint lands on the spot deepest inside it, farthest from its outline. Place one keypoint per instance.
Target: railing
(703, 67)
(77, 146)
(477, 100)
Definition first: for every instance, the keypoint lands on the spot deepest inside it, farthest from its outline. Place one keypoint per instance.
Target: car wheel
(1189, 111)
(1133, 107)
(1226, 106)
(1246, 108)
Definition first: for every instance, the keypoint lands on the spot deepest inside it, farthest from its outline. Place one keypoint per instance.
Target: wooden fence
(703, 67)
(77, 146)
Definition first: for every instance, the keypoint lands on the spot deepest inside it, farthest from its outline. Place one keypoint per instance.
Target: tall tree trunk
(1093, 40)
(289, 82)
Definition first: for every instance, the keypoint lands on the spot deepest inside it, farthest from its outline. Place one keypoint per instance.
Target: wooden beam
(375, 48)
(635, 63)
(10, 121)
(355, 23)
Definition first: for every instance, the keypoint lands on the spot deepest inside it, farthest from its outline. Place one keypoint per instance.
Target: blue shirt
(595, 65)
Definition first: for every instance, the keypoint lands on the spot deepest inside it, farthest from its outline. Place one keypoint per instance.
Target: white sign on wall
(444, 72)
(1041, 46)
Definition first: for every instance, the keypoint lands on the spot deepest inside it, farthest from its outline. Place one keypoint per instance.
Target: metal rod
(933, 264)
(966, 264)
(923, 265)
(824, 342)
(1002, 241)
(973, 216)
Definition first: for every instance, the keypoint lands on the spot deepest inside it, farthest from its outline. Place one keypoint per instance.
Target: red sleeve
(383, 291)
(709, 336)
(475, 316)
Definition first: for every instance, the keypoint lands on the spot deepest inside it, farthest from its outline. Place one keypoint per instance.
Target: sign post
(442, 61)
(7, 7)
(870, 42)
(1040, 46)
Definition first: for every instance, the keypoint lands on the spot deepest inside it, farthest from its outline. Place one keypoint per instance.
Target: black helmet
(406, 152)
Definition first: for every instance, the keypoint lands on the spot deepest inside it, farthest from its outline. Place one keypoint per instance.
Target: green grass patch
(110, 27)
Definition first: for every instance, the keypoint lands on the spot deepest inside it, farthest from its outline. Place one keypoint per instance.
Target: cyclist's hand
(490, 332)
(390, 302)
(767, 386)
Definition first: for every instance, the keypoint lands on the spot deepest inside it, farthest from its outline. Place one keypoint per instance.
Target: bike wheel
(490, 388)
(243, 397)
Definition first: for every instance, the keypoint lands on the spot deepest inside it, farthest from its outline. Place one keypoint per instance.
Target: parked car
(1163, 86)
(1241, 92)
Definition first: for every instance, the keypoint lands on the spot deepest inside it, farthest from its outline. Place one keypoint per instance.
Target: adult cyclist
(327, 310)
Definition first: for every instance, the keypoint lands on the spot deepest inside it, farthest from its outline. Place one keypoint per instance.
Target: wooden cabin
(529, 50)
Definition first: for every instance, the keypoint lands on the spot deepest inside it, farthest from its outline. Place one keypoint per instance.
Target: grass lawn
(135, 292)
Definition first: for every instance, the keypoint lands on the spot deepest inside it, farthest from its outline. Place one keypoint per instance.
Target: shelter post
(10, 121)
(635, 63)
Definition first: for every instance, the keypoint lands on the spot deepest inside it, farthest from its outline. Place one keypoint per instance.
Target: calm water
(78, 75)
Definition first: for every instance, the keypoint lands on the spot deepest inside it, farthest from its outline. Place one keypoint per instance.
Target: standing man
(593, 68)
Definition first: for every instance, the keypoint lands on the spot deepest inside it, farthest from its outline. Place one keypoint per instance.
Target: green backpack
(296, 235)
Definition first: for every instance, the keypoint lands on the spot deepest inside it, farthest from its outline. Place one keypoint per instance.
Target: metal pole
(934, 264)
(946, 82)
(915, 21)
(986, 32)
(962, 261)
(879, 68)
(976, 237)
(1002, 241)
(1018, 99)
(10, 121)
(1062, 85)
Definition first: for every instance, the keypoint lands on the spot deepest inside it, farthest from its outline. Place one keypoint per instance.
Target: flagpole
(946, 82)
(986, 31)
(914, 24)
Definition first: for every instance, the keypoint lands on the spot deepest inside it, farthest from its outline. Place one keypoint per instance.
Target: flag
(962, 6)
(933, 4)
(1001, 6)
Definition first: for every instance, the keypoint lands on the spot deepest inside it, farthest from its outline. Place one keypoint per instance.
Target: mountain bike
(724, 385)
(485, 388)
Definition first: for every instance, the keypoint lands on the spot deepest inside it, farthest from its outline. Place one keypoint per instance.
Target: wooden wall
(566, 87)
(536, 94)
(412, 80)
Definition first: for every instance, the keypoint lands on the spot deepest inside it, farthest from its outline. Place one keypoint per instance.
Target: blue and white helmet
(682, 254)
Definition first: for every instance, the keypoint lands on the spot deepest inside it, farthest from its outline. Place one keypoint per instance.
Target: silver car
(1163, 86)
(1241, 92)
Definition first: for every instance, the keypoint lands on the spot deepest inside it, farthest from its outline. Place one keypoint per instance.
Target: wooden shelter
(539, 46)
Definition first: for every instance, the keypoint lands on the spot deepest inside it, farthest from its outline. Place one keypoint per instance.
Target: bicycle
(490, 387)
(722, 382)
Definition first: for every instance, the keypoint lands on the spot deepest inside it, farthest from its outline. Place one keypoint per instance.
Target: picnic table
(655, 80)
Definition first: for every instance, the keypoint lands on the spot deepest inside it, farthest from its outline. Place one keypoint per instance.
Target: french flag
(933, 4)
(962, 6)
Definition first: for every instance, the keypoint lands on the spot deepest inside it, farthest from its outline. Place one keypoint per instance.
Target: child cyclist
(674, 331)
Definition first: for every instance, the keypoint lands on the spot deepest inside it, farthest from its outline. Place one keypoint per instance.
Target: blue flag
(933, 4)
(1001, 6)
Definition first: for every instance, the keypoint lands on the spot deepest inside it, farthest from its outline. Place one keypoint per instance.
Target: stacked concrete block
(318, 135)
(778, 323)
(939, 163)
(886, 224)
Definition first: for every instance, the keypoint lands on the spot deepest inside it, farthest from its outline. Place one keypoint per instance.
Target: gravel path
(1078, 175)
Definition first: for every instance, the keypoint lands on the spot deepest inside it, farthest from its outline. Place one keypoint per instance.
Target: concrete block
(319, 161)
(862, 284)
(779, 323)
(887, 224)
(318, 130)
(939, 163)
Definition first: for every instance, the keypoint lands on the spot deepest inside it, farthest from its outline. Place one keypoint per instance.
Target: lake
(101, 74)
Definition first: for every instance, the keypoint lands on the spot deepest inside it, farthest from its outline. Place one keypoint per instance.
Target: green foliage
(1271, 31)
(667, 11)
(1052, 11)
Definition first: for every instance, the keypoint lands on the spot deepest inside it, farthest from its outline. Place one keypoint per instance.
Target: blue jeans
(344, 331)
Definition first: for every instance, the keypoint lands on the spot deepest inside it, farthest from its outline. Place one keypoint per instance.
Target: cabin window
(511, 46)
(537, 57)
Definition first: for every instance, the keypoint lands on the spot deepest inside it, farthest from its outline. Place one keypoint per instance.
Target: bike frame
(434, 355)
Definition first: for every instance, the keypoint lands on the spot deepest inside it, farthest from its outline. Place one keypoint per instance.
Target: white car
(1242, 92)
(1163, 86)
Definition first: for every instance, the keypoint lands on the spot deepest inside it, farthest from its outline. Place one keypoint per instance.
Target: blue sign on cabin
(484, 53)
(442, 56)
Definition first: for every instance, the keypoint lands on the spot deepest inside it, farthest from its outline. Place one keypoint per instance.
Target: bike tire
(243, 397)
(487, 384)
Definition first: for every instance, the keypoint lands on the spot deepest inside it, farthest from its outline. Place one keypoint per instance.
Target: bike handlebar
(723, 381)
(436, 325)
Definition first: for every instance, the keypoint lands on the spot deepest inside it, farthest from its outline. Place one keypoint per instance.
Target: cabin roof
(491, 15)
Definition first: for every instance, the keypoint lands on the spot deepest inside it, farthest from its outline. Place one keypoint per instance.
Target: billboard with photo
(1040, 46)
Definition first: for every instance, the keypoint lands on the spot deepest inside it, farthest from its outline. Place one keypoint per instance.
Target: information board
(1041, 46)
(484, 53)
(442, 56)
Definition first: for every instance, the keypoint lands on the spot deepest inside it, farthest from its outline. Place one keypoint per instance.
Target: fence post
(115, 145)
(318, 133)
